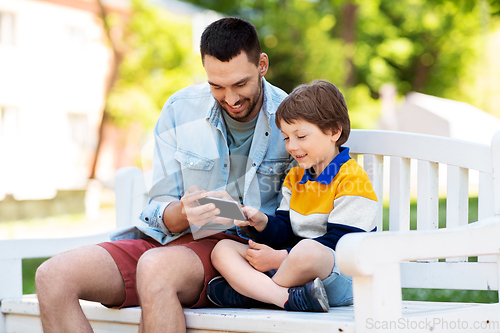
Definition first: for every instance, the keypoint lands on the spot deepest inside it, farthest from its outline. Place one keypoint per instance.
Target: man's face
(237, 84)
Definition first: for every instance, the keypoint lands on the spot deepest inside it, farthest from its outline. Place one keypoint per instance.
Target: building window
(7, 28)
(79, 129)
(9, 124)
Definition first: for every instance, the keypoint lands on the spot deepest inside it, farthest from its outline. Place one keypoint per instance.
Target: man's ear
(263, 64)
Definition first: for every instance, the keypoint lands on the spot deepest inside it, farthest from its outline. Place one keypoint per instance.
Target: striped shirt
(339, 201)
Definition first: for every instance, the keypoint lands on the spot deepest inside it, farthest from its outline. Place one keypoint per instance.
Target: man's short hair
(320, 103)
(224, 39)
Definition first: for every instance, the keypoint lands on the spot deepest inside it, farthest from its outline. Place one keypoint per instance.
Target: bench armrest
(358, 254)
(12, 251)
(46, 247)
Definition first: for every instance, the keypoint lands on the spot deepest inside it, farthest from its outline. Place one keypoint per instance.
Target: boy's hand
(255, 219)
(264, 258)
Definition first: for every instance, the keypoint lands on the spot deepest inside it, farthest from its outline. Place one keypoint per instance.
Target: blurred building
(426, 114)
(55, 65)
(54, 68)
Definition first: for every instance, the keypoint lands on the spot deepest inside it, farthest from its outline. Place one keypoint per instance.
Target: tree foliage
(158, 60)
(418, 45)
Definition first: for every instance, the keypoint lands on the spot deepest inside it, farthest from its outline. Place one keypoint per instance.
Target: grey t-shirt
(239, 140)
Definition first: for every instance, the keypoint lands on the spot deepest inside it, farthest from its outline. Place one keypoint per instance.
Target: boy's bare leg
(85, 273)
(168, 278)
(307, 260)
(228, 257)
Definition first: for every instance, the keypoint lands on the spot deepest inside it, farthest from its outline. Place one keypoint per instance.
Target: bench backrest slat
(374, 166)
(399, 194)
(457, 201)
(485, 195)
(428, 195)
(485, 205)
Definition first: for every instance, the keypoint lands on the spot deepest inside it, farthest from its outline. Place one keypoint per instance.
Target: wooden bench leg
(382, 291)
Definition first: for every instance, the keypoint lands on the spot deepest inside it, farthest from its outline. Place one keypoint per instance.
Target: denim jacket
(191, 149)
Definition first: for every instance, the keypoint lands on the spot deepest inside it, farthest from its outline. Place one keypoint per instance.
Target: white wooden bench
(381, 263)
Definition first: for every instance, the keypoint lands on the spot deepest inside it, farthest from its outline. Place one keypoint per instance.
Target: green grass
(448, 295)
(441, 295)
(442, 213)
(29, 269)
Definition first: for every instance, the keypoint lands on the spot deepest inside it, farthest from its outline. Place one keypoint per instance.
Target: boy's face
(237, 84)
(309, 146)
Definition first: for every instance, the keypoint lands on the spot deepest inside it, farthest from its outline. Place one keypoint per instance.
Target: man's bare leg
(168, 278)
(86, 273)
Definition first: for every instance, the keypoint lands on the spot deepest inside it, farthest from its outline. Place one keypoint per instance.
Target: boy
(327, 196)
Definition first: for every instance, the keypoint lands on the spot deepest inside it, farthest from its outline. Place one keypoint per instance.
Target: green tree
(418, 45)
(158, 59)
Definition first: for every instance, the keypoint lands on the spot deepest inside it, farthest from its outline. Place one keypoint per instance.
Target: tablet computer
(228, 208)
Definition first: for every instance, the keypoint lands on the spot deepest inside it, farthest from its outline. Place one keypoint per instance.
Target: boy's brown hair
(320, 103)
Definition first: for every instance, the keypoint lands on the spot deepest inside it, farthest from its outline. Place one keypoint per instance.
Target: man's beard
(252, 105)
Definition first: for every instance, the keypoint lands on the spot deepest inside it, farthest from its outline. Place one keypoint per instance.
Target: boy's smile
(309, 146)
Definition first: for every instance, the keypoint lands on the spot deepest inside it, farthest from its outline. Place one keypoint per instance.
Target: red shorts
(126, 254)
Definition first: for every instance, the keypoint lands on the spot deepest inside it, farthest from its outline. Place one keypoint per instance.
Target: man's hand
(191, 209)
(255, 218)
(264, 258)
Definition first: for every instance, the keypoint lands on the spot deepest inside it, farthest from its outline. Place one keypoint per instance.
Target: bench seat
(22, 315)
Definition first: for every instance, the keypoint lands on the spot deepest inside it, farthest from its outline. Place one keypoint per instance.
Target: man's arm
(174, 219)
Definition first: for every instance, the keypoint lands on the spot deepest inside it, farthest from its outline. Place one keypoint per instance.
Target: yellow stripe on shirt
(316, 198)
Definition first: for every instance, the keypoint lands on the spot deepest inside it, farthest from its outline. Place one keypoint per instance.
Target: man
(219, 136)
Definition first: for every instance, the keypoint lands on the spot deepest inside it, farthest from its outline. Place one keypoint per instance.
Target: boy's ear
(336, 135)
